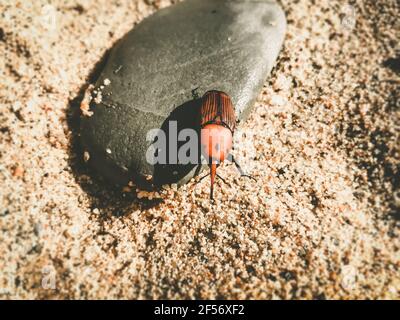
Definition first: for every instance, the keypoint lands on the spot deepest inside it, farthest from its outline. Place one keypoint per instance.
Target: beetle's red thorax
(216, 142)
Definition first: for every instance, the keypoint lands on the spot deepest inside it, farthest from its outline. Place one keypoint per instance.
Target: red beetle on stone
(217, 122)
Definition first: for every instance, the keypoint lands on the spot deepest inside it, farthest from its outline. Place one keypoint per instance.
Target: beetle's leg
(242, 174)
(198, 168)
(195, 94)
(197, 173)
(222, 179)
(201, 179)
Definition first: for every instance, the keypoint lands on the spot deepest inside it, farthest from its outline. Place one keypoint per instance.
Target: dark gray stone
(226, 45)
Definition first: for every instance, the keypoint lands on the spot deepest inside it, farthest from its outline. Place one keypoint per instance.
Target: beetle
(217, 123)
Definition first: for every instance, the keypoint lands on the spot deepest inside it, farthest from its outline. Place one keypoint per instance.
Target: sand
(321, 222)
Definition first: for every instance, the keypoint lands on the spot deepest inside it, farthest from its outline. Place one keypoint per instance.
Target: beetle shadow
(186, 117)
(108, 198)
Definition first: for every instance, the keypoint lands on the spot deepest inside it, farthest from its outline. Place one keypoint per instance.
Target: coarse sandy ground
(322, 220)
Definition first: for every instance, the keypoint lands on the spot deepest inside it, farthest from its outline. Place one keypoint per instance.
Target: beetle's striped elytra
(217, 108)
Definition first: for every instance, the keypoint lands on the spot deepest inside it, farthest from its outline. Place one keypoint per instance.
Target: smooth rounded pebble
(154, 74)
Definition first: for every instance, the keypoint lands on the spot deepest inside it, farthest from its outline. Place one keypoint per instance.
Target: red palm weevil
(217, 122)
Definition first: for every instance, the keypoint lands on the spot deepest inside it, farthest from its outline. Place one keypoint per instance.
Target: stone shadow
(186, 117)
(106, 197)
